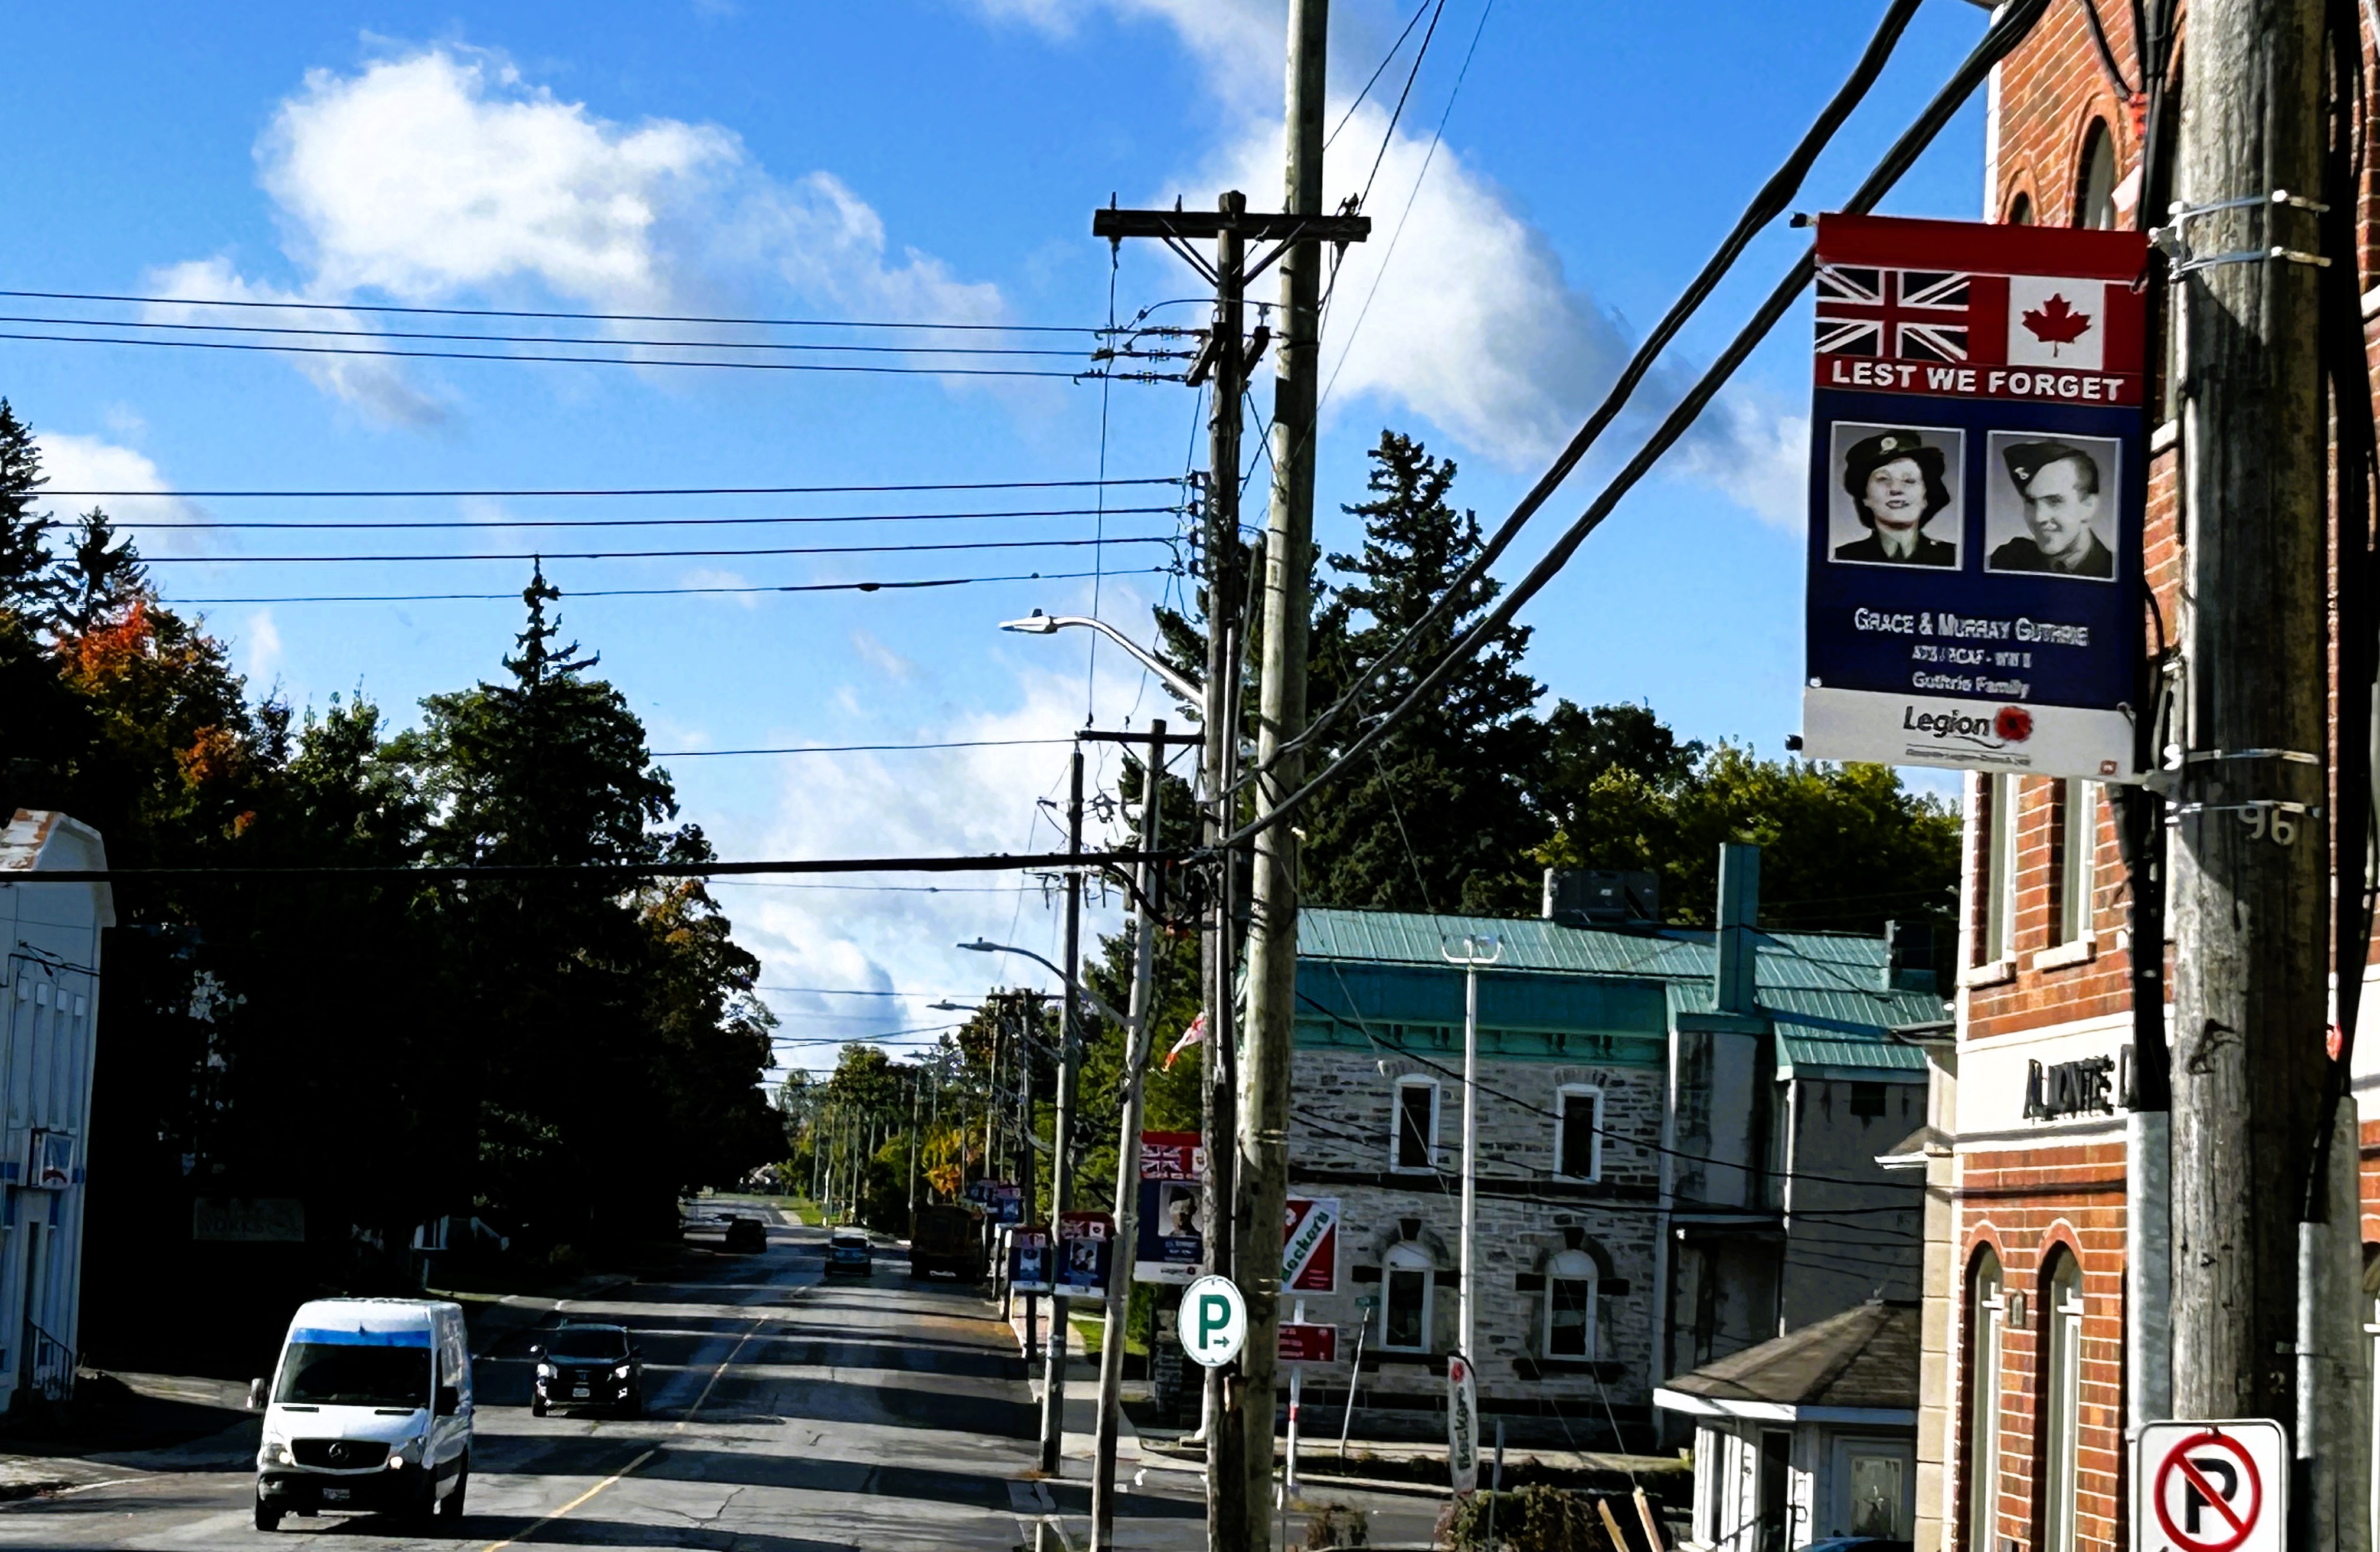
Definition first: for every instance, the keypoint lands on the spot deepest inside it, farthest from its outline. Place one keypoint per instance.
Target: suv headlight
(545, 1371)
(620, 1373)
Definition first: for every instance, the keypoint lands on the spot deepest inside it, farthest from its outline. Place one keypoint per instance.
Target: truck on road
(947, 1239)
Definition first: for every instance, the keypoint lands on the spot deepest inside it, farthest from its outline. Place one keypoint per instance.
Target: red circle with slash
(2177, 1462)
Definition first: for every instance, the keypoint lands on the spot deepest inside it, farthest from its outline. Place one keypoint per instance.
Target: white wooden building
(49, 1019)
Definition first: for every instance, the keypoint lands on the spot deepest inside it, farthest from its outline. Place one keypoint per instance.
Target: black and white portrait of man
(2052, 506)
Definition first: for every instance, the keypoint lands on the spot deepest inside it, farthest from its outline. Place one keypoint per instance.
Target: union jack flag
(1908, 315)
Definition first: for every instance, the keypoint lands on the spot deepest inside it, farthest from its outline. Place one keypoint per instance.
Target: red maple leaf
(2055, 323)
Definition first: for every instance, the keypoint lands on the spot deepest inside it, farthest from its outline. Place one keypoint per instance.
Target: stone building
(1649, 1101)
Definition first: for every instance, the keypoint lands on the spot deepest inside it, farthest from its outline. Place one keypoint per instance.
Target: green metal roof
(1824, 991)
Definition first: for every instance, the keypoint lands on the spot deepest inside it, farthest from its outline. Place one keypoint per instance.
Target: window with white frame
(1407, 1276)
(1414, 1146)
(1996, 883)
(1578, 1132)
(2078, 854)
(1987, 1322)
(2372, 1339)
(1569, 1306)
(2061, 1399)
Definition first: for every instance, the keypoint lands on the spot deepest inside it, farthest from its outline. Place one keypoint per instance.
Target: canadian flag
(2060, 322)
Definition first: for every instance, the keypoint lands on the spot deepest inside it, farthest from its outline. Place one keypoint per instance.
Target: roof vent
(1601, 897)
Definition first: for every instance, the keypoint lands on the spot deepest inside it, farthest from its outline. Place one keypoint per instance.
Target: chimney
(1734, 982)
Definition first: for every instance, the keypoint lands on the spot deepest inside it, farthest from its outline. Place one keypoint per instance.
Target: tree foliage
(561, 1055)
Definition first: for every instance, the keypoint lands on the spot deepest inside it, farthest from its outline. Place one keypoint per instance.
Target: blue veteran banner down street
(1978, 482)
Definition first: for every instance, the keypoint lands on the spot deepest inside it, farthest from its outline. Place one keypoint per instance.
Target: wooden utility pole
(1127, 1189)
(1061, 1155)
(1222, 1422)
(1261, 1197)
(2250, 898)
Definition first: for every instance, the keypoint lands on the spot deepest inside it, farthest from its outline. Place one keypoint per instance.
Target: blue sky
(904, 161)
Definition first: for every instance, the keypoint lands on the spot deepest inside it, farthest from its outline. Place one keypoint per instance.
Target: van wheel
(267, 1517)
(451, 1506)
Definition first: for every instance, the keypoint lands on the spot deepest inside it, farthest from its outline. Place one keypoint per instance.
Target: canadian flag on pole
(1190, 1036)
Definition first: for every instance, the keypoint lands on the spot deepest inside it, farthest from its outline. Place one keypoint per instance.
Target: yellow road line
(628, 1470)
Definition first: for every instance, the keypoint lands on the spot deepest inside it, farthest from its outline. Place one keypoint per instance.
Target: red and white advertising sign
(2211, 1486)
(1309, 1245)
(1308, 1343)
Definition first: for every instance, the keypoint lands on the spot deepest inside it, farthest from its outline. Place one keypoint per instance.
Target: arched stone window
(1570, 1287)
(2020, 210)
(1407, 1276)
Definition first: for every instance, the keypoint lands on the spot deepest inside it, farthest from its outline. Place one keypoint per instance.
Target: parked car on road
(588, 1365)
(370, 1408)
(746, 1236)
(848, 1251)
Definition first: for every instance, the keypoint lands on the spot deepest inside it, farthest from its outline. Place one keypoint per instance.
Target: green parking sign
(1214, 1321)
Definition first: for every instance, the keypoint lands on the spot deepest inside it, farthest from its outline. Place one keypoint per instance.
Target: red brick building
(2021, 1438)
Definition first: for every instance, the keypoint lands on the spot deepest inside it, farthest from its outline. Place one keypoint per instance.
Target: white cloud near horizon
(442, 173)
(1474, 325)
(85, 463)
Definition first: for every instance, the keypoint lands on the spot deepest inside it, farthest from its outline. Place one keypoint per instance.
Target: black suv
(588, 1365)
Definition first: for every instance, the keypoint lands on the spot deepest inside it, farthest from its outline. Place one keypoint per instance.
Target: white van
(369, 1409)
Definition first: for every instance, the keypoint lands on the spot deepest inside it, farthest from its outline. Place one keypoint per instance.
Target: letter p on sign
(1217, 1327)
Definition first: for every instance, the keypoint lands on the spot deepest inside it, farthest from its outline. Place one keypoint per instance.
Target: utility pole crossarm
(1207, 224)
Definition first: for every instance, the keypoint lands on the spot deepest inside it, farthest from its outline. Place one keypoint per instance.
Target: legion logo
(2002, 729)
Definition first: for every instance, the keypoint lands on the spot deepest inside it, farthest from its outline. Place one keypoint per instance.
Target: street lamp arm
(1181, 684)
(1082, 993)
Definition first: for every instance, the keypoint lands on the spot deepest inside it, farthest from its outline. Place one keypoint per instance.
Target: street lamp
(982, 945)
(1181, 684)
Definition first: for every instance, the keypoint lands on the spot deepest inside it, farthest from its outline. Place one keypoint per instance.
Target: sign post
(1978, 485)
(2221, 1486)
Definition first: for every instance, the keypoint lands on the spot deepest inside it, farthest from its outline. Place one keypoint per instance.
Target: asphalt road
(784, 1415)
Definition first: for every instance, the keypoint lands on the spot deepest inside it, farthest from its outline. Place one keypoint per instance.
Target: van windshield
(318, 1374)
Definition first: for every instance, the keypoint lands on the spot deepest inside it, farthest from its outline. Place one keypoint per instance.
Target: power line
(586, 317)
(1772, 200)
(665, 554)
(1390, 59)
(668, 592)
(2010, 28)
(1086, 374)
(611, 340)
(344, 524)
(637, 490)
(857, 748)
(621, 872)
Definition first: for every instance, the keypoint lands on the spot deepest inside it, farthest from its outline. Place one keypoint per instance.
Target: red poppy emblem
(2014, 724)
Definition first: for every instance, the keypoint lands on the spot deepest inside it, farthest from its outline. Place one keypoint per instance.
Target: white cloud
(923, 803)
(262, 638)
(883, 658)
(375, 384)
(709, 577)
(444, 174)
(1474, 325)
(1756, 453)
(80, 463)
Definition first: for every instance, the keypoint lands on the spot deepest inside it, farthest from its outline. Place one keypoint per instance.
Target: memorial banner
(1978, 484)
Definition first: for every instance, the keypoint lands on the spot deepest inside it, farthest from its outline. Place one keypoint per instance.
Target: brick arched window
(1986, 1327)
(2020, 210)
(2095, 179)
(2058, 1400)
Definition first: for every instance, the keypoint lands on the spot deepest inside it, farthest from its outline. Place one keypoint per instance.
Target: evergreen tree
(1439, 817)
(26, 584)
(99, 579)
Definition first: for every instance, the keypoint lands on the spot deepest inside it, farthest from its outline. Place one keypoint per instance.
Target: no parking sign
(2221, 1486)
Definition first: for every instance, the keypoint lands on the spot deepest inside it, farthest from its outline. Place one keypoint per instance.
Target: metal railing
(50, 1366)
